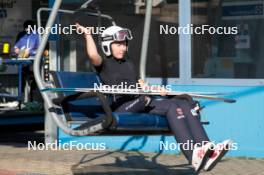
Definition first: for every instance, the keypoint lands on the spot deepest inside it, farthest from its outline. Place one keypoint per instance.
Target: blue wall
(242, 121)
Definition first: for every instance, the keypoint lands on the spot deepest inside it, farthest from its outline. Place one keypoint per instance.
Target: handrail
(40, 10)
(40, 82)
(145, 41)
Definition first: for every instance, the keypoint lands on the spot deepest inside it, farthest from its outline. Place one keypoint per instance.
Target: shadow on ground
(129, 164)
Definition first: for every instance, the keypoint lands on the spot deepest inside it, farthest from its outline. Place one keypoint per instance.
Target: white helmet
(112, 34)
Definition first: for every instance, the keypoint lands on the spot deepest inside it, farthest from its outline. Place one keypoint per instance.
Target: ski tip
(47, 90)
(43, 90)
(229, 100)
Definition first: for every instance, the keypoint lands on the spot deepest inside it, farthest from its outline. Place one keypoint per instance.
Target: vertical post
(144, 48)
(73, 56)
(185, 44)
(20, 66)
(69, 56)
(53, 55)
(26, 90)
(51, 135)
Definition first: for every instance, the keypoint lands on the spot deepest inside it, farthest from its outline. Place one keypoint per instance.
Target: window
(237, 55)
(163, 49)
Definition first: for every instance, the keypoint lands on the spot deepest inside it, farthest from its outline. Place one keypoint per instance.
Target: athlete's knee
(176, 110)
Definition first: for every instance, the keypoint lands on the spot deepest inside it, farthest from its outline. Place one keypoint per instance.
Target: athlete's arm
(91, 49)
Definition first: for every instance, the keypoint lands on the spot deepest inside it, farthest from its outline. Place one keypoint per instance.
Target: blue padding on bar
(140, 121)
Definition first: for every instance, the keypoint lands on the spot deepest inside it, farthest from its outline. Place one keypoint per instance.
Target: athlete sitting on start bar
(114, 69)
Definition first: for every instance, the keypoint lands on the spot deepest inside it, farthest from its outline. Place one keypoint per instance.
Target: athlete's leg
(177, 123)
(194, 123)
(136, 105)
(187, 130)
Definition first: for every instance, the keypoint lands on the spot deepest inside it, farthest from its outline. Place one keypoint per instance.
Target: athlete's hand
(145, 86)
(142, 83)
(85, 30)
(163, 91)
(17, 50)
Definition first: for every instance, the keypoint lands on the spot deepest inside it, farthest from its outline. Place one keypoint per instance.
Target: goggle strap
(108, 38)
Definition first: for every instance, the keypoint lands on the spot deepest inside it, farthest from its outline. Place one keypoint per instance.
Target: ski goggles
(121, 35)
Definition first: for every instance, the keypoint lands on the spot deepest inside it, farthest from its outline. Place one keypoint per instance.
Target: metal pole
(85, 5)
(71, 12)
(185, 42)
(143, 56)
(59, 119)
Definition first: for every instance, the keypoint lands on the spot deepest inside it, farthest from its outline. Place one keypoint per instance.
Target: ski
(202, 95)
